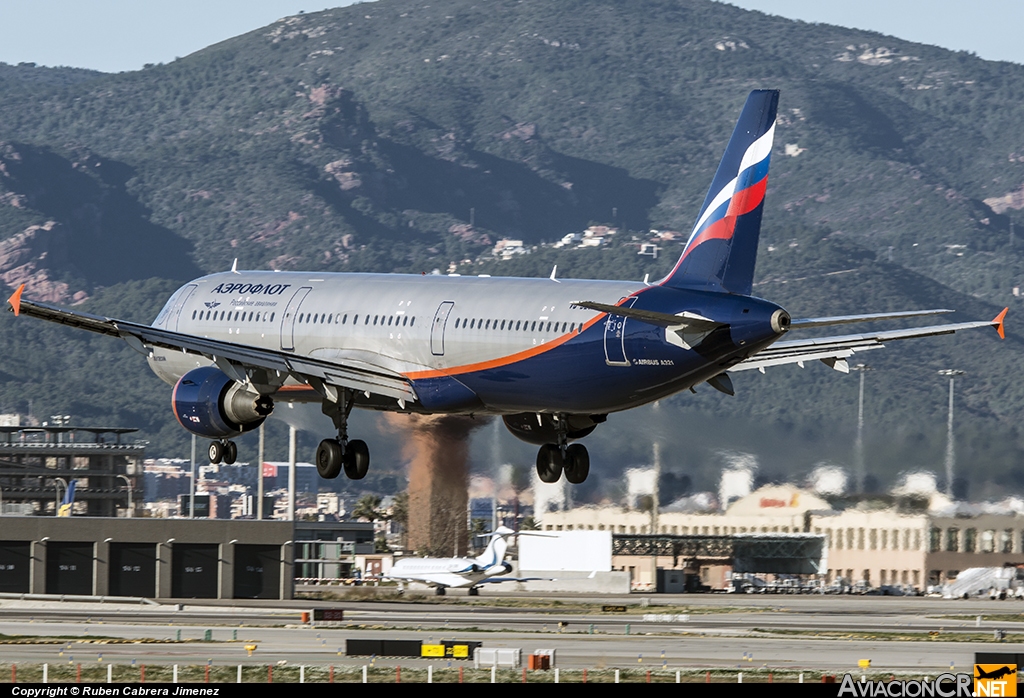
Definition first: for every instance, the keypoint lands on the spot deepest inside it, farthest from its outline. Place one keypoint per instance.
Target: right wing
(236, 360)
(834, 351)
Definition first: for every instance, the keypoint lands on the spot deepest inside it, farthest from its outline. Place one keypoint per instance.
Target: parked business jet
(552, 357)
(444, 572)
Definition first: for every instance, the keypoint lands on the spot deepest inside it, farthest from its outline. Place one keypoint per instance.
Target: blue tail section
(68, 501)
(722, 248)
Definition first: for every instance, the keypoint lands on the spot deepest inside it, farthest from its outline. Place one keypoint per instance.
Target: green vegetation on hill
(368, 138)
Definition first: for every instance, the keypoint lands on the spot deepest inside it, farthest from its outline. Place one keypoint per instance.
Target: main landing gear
(335, 455)
(223, 451)
(554, 459)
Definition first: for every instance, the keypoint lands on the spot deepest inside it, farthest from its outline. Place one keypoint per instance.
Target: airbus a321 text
(552, 357)
(442, 572)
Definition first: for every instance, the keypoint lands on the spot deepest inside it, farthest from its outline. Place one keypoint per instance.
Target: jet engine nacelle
(208, 403)
(542, 429)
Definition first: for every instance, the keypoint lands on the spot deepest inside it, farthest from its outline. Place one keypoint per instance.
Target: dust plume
(437, 447)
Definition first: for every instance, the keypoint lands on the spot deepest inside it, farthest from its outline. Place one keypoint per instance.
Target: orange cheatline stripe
(15, 300)
(506, 360)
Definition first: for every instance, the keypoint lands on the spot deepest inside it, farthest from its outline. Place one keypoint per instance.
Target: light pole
(192, 483)
(859, 445)
(131, 506)
(58, 481)
(950, 373)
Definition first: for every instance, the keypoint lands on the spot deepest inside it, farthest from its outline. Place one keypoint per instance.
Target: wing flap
(230, 357)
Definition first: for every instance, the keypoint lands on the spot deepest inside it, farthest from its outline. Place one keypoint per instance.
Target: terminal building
(108, 546)
(37, 463)
(909, 542)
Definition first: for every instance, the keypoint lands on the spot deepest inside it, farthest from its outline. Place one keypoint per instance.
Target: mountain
(398, 136)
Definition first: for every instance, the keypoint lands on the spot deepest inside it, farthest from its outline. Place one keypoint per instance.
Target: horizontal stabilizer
(685, 330)
(690, 321)
(871, 317)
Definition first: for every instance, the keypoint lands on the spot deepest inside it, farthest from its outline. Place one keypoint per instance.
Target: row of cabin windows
(526, 325)
(232, 316)
(342, 319)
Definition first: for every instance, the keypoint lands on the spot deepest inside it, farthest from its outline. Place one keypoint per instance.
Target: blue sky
(116, 35)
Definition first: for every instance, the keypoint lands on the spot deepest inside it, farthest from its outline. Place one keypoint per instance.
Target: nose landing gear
(223, 451)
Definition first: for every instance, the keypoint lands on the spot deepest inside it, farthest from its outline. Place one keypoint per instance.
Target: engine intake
(210, 404)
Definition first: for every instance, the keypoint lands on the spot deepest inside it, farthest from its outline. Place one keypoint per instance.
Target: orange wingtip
(15, 300)
(998, 321)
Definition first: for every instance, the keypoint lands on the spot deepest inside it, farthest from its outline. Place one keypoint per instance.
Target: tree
(368, 507)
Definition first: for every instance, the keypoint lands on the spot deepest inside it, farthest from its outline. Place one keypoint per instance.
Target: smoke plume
(437, 448)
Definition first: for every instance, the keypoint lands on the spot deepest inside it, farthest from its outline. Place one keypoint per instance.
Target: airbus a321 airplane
(444, 572)
(552, 357)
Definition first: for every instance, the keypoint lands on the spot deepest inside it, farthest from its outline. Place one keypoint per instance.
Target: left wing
(834, 351)
(235, 360)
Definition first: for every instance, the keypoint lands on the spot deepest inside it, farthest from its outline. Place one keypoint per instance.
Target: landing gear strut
(554, 459)
(335, 455)
(223, 450)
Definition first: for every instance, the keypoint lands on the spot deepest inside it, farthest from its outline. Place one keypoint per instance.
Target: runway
(676, 632)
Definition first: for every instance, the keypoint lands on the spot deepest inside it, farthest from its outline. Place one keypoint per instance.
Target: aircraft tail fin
(494, 553)
(68, 501)
(722, 249)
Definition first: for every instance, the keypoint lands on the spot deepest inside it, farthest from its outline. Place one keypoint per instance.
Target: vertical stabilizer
(494, 554)
(722, 248)
(68, 501)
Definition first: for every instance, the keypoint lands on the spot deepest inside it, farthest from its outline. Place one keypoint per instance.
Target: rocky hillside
(402, 136)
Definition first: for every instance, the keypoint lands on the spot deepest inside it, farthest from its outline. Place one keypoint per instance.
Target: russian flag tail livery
(722, 248)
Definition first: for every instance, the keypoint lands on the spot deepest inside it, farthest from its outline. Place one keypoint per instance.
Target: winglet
(997, 321)
(15, 300)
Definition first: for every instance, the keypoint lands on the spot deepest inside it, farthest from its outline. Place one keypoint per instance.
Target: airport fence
(99, 672)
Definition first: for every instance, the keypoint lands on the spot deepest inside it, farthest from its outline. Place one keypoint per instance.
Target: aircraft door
(615, 336)
(172, 321)
(288, 319)
(437, 328)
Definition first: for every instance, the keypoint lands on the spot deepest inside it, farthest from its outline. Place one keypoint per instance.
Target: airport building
(180, 558)
(912, 543)
(38, 463)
